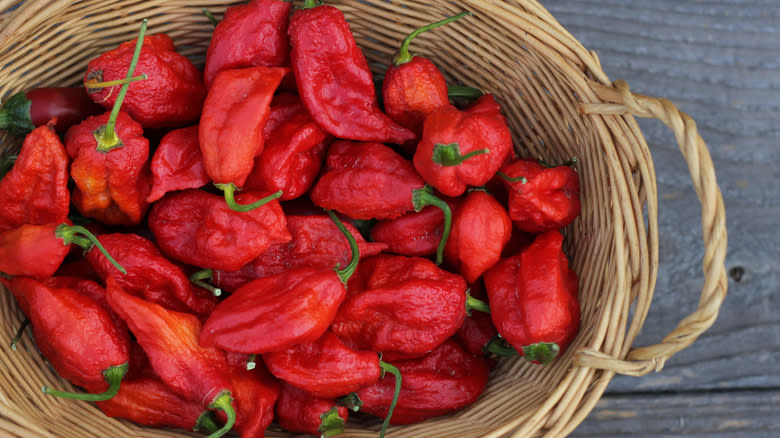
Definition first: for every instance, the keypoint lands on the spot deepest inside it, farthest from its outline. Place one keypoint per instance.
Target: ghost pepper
(255, 392)
(299, 411)
(61, 106)
(413, 234)
(177, 163)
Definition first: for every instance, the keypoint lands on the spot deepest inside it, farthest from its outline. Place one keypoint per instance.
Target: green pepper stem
(392, 369)
(462, 91)
(424, 197)
(542, 352)
(499, 347)
(509, 179)
(19, 333)
(331, 423)
(308, 4)
(6, 165)
(113, 376)
(403, 55)
(346, 273)
(350, 401)
(205, 422)
(449, 154)
(210, 16)
(224, 402)
(205, 274)
(105, 135)
(475, 304)
(251, 362)
(230, 198)
(82, 237)
(113, 83)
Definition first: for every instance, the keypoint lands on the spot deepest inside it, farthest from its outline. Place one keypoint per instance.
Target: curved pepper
(231, 125)
(255, 392)
(65, 106)
(400, 306)
(177, 163)
(413, 234)
(170, 340)
(276, 312)
(35, 190)
(541, 198)
(333, 77)
(77, 335)
(249, 35)
(198, 228)
(533, 298)
(464, 148)
(299, 411)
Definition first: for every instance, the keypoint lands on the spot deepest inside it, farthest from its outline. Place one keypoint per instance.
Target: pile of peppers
(280, 238)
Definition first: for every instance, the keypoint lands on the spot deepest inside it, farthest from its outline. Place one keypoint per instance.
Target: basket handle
(640, 361)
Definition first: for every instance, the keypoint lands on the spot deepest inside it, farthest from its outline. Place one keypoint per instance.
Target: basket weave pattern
(559, 104)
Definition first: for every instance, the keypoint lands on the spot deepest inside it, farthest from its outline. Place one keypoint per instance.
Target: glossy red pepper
(444, 380)
(316, 242)
(299, 411)
(477, 330)
(231, 125)
(333, 77)
(177, 163)
(249, 35)
(400, 306)
(463, 148)
(273, 313)
(35, 190)
(413, 234)
(541, 198)
(23, 112)
(480, 229)
(149, 274)
(198, 228)
(170, 96)
(77, 335)
(255, 392)
(170, 340)
(533, 299)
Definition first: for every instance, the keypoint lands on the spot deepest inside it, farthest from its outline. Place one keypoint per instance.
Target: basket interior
(512, 49)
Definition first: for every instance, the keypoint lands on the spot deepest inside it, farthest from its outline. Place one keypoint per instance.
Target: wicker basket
(559, 103)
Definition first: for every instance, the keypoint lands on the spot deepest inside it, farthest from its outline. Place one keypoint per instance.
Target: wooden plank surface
(719, 61)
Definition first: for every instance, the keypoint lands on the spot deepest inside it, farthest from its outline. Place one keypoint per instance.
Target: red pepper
(177, 164)
(533, 299)
(371, 181)
(413, 87)
(77, 335)
(333, 77)
(149, 402)
(255, 392)
(299, 411)
(35, 190)
(198, 228)
(480, 229)
(444, 380)
(149, 274)
(249, 35)
(400, 306)
(316, 242)
(276, 312)
(170, 96)
(413, 234)
(464, 148)
(541, 198)
(477, 330)
(291, 158)
(231, 126)
(170, 340)
(23, 112)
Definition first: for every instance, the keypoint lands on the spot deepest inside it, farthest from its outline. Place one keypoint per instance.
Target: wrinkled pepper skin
(402, 307)
(334, 80)
(444, 380)
(249, 35)
(480, 127)
(177, 163)
(172, 94)
(548, 200)
(62, 106)
(477, 329)
(77, 335)
(273, 313)
(413, 234)
(291, 158)
(316, 242)
(198, 228)
(326, 367)
(533, 296)
(413, 90)
(35, 190)
(110, 186)
(480, 229)
(366, 181)
(299, 411)
(32, 251)
(149, 274)
(231, 125)
(255, 393)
